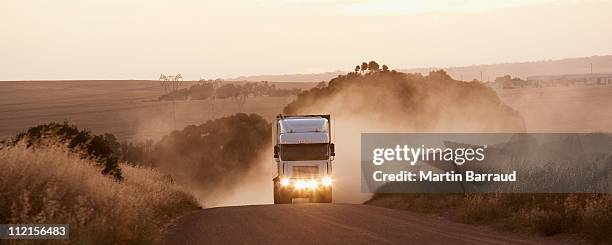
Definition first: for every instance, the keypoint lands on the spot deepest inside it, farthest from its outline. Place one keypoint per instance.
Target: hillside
(49, 184)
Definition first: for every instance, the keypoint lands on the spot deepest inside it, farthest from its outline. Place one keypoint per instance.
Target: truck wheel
(324, 196)
(286, 198)
(280, 197)
(277, 199)
(328, 195)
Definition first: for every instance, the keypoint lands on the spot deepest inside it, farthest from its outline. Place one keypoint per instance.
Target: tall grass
(588, 215)
(52, 185)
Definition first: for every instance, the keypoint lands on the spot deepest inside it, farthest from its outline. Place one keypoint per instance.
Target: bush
(104, 149)
(597, 217)
(52, 184)
(215, 154)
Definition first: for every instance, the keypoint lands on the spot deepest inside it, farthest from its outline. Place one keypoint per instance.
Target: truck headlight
(326, 181)
(300, 184)
(312, 184)
(285, 182)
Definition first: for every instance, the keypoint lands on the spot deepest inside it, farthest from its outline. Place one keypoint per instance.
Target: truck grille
(305, 171)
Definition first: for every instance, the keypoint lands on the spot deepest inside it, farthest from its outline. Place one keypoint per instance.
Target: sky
(140, 39)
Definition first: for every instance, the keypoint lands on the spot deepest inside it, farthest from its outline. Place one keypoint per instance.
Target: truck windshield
(302, 152)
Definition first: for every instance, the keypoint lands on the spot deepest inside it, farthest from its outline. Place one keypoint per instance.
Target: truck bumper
(285, 193)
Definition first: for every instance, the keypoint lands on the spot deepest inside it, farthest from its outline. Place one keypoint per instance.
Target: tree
(104, 149)
(201, 91)
(440, 75)
(385, 68)
(178, 77)
(357, 68)
(373, 66)
(213, 97)
(227, 91)
(241, 97)
(364, 66)
(238, 93)
(323, 84)
(207, 152)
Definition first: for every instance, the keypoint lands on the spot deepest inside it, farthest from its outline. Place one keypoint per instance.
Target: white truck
(303, 153)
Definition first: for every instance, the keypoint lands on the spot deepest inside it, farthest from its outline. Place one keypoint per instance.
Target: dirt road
(329, 224)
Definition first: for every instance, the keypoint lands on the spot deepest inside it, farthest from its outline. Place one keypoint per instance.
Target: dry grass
(52, 185)
(562, 109)
(128, 109)
(588, 215)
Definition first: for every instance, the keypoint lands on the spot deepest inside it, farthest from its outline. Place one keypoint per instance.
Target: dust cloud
(254, 188)
(393, 102)
(562, 109)
(212, 160)
(228, 161)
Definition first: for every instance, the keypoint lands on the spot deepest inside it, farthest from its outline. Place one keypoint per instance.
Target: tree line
(371, 66)
(214, 89)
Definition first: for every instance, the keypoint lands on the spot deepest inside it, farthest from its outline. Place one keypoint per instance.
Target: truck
(303, 153)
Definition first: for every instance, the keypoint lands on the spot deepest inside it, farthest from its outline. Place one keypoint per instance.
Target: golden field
(126, 108)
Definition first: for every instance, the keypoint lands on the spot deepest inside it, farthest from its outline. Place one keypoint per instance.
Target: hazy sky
(139, 39)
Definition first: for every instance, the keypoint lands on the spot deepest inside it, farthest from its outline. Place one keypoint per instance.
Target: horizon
(138, 40)
(400, 69)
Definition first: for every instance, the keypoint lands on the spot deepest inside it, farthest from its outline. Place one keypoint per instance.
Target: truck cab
(303, 153)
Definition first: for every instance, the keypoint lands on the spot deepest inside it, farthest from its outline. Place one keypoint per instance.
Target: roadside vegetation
(114, 193)
(53, 184)
(101, 149)
(588, 215)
